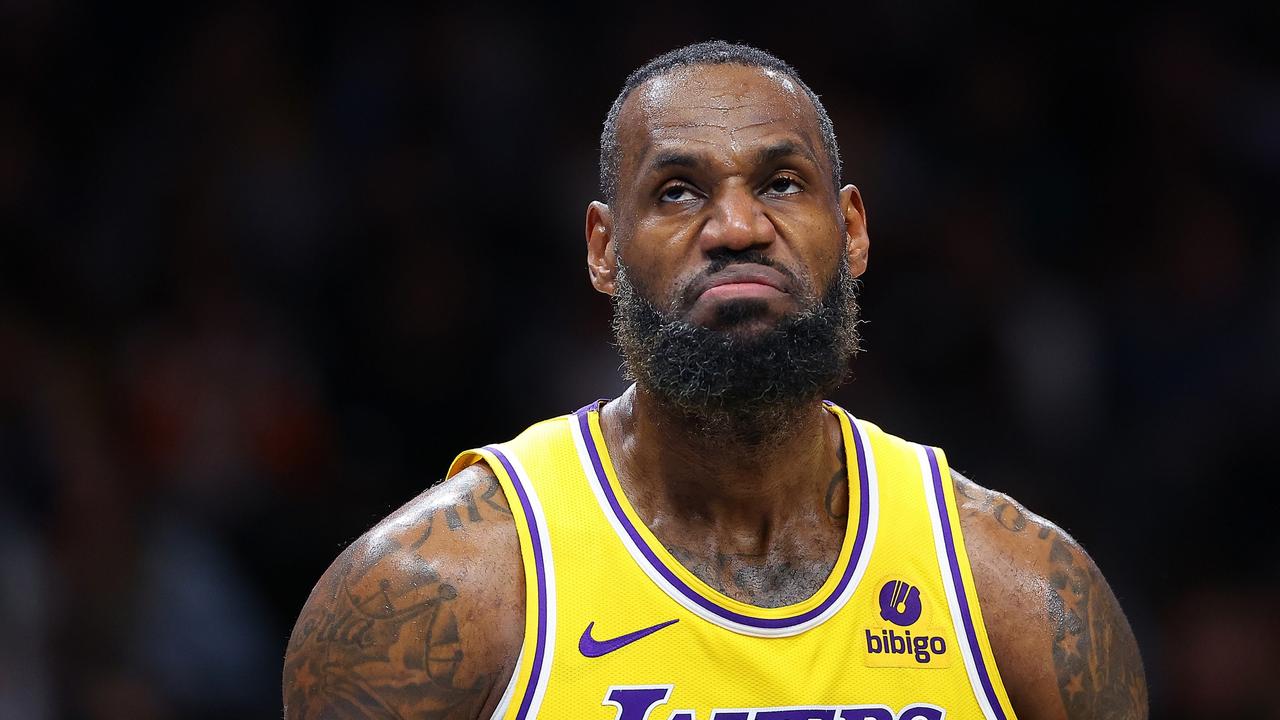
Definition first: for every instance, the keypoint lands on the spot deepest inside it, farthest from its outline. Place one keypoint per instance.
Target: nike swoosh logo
(591, 647)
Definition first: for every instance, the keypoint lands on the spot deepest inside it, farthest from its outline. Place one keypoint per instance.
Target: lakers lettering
(639, 702)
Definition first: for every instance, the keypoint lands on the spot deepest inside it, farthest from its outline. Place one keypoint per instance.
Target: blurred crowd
(264, 271)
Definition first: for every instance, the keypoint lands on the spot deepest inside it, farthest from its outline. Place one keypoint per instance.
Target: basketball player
(719, 542)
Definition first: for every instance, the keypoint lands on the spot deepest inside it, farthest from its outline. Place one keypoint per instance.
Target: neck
(737, 481)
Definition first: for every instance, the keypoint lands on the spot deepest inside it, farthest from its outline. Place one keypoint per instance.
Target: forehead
(722, 105)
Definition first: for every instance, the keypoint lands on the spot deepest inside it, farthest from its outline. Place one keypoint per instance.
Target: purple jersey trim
(539, 564)
(855, 556)
(591, 406)
(966, 617)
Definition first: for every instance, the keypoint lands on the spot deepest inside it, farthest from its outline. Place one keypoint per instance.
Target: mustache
(722, 258)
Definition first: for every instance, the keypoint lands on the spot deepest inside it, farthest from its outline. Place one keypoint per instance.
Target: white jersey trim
(944, 569)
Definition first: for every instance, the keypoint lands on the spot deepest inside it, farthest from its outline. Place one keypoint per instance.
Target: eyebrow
(784, 149)
(671, 158)
(766, 155)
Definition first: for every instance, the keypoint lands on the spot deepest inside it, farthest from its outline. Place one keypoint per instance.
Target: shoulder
(422, 616)
(1063, 645)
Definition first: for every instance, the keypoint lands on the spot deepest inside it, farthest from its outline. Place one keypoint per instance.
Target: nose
(737, 221)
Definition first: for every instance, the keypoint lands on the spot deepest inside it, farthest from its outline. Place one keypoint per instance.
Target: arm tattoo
(1095, 656)
(492, 488)
(490, 496)
(380, 656)
(1010, 516)
(380, 640)
(1008, 513)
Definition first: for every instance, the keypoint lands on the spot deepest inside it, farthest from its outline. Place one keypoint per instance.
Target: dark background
(263, 272)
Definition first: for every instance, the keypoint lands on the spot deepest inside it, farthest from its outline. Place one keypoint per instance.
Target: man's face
(723, 163)
(731, 271)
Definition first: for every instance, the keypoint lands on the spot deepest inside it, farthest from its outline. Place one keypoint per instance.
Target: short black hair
(712, 52)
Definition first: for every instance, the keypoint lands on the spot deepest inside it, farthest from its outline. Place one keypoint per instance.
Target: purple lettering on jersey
(635, 703)
(866, 713)
(922, 712)
(797, 714)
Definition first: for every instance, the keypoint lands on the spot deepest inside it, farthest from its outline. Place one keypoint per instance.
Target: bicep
(409, 622)
(1063, 645)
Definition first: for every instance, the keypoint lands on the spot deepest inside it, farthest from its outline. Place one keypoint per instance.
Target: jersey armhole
(953, 557)
(522, 695)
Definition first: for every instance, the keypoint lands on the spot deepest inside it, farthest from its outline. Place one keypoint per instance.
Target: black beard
(734, 386)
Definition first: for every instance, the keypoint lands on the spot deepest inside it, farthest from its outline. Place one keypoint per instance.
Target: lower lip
(741, 290)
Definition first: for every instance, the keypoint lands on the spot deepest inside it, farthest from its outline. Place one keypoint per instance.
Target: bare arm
(421, 617)
(1063, 645)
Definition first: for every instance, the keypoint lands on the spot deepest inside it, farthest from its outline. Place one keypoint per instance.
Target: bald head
(673, 80)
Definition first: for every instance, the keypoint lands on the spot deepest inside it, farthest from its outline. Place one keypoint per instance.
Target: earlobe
(602, 259)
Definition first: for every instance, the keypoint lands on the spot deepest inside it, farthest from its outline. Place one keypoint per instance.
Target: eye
(677, 193)
(783, 185)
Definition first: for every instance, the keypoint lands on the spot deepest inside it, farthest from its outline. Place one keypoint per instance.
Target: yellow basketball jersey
(617, 629)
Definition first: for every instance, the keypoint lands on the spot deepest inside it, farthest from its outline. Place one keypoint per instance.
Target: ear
(855, 227)
(602, 258)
